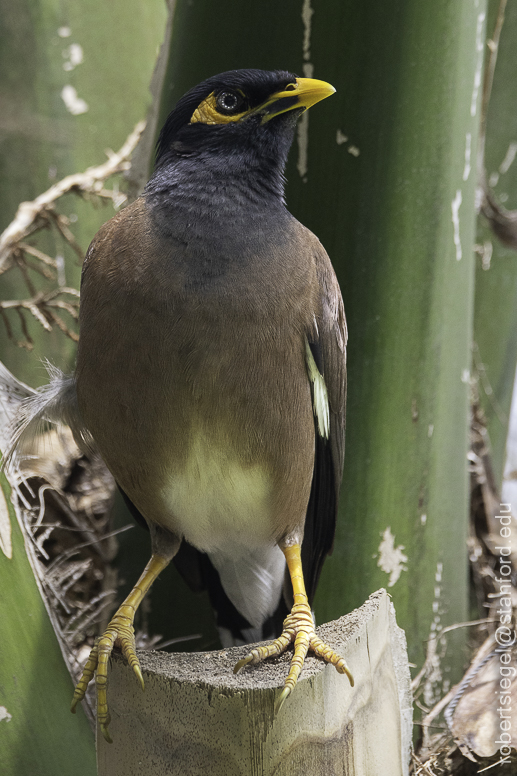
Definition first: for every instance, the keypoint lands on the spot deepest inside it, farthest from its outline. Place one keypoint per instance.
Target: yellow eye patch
(207, 113)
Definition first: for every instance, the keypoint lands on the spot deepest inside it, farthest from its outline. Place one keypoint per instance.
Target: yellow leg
(120, 633)
(298, 627)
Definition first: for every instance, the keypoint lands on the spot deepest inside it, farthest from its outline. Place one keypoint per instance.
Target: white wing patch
(320, 402)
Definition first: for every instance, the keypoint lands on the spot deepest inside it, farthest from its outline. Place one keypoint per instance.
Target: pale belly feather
(216, 501)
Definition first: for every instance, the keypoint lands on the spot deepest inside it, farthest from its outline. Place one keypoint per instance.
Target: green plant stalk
(495, 311)
(38, 733)
(403, 231)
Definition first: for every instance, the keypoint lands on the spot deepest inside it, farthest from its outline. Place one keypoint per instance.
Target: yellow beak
(302, 93)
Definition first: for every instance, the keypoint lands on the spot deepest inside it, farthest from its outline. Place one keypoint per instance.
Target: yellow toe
(137, 670)
(286, 692)
(105, 733)
(241, 663)
(298, 628)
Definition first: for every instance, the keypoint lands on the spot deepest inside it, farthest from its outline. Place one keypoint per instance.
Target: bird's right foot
(119, 633)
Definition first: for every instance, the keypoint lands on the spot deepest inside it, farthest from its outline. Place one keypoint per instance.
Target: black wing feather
(328, 347)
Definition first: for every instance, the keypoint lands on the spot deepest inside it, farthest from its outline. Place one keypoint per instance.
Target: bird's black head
(249, 114)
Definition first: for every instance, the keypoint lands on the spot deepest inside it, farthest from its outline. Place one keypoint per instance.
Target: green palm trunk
(38, 734)
(402, 230)
(495, 316)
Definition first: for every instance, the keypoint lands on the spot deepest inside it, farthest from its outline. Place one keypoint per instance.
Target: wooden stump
(196, 718)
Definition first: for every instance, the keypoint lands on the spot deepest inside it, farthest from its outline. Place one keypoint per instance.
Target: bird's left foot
(298, 627)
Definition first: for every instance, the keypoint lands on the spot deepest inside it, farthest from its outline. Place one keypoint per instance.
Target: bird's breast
(193, 382)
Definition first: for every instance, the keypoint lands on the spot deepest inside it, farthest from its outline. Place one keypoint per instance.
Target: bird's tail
(24, 412)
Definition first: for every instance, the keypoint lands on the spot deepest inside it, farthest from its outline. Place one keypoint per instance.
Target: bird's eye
(290, 88)
(228, 102)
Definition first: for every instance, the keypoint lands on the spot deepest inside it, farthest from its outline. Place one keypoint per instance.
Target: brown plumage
(161, 365)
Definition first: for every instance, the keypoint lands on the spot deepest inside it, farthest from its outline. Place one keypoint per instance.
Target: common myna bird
(211, 372)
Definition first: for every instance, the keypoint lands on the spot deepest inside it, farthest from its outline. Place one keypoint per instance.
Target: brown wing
(328, 347)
